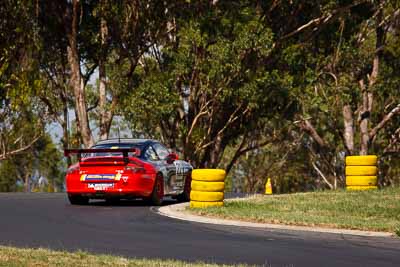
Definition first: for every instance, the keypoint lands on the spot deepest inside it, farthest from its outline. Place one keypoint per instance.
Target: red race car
(127, 168)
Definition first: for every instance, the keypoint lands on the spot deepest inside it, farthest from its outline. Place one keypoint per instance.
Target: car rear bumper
(109, 194)
(131, 188)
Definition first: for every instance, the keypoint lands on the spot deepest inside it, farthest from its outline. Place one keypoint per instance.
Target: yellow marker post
(268, 187)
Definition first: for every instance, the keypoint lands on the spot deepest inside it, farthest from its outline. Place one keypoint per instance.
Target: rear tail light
(135, 169)
(73, 170)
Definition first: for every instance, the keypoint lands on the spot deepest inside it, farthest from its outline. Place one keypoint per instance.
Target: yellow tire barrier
(268, 187)
(208, 175)
(361, 188)
(368, 160)
(205, 204)
(208, 186)
(361, 170)
(361, 181)
(206, 196)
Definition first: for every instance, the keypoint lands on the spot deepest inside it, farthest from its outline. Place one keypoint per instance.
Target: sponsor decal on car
(181, 169)
(88, 177)
(101, 187)
(118, 176)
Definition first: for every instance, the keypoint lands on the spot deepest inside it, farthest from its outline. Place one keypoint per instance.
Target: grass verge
(377, 210)
(16, 257)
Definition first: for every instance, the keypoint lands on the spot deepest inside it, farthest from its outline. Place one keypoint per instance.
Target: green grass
(377, 210)
(16, 257)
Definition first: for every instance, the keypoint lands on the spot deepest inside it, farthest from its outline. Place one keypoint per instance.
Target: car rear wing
(124, 151)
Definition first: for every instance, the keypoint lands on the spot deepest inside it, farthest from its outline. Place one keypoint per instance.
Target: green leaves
(204, 75)
(211, 84)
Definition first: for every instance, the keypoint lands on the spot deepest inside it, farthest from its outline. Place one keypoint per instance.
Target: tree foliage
(280, 89)
(208, 86)
(19, 79)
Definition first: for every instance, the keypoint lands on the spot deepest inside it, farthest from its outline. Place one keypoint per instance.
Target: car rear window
(114, 146)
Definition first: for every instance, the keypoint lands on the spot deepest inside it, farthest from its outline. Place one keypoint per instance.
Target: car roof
(139, 142)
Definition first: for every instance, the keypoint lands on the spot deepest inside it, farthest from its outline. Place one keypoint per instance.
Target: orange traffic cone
(268, 187)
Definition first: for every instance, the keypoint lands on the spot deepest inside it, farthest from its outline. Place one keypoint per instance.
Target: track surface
(131, 229)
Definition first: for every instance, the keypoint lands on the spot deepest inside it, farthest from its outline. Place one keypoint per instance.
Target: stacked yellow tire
(207, 188)
(361, 172)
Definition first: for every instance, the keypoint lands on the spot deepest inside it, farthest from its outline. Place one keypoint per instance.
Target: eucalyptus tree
(80, 38)
(343, 58)
(22, 171)
(206, 87)
(128, 29)
(229, 68)
(18, 79)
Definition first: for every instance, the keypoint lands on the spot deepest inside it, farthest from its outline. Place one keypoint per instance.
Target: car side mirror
(172, 157)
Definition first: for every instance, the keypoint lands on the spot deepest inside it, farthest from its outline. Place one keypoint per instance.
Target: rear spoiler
(124, 151)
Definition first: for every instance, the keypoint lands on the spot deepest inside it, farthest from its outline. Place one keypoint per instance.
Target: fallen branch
(322, 175)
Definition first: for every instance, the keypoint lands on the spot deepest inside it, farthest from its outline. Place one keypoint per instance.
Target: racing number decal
(179, 167)
(180, 171)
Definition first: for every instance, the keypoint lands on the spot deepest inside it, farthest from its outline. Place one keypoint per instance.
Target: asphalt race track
(131, 229)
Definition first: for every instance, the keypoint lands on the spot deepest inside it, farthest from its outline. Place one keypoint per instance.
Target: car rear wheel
(157, 194)
(78, 200)
(185, 196)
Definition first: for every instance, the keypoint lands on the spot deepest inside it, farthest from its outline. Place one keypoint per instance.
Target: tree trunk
(236, 156)
(372, 78)
(306, 126)
(27, 185)
(64, 126)
(348, 128)
(77, 80)
(216, 152)
(364, 119)
(106, 115)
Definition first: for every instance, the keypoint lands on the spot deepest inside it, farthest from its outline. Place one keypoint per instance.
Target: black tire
(78, 200)
(157, 195)
(185, 196)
